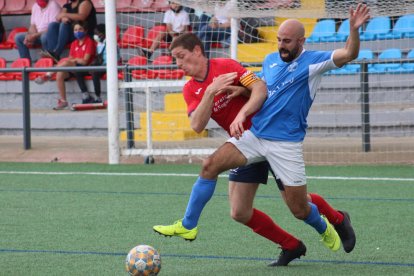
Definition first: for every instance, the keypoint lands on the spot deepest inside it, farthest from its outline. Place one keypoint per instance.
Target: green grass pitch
(82, 219)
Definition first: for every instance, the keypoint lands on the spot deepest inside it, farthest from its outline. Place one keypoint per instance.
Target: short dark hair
(100, 28)
(83, 24)
(188, 41)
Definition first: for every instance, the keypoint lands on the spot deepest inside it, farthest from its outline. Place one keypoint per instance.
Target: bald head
(292, 28)
(290, 39)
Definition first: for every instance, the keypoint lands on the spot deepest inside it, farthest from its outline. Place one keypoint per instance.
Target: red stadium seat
(18, 63)
(14, 7)
(2, 65)
(160, 5)
(141, 74)
(133, 37)
(152, 34)
(41, 63)
(167, 73)
(9, 43)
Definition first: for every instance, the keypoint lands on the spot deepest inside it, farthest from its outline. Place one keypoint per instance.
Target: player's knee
(239, 215)
(209, 169)
(299, 212)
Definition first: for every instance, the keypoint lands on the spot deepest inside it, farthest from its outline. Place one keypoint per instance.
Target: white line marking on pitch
(195, 175)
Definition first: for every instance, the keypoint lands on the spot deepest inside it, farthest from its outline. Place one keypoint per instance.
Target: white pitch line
(195, 175)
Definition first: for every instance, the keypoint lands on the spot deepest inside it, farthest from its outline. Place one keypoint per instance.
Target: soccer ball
(143, 260)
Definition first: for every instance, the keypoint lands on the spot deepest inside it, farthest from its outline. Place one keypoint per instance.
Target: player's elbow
(197, 127)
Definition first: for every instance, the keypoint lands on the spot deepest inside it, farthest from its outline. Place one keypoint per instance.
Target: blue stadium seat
(342, 33)
(377, 28)
(323, 29)
(388, 54)
(409, 67)
(403, 28)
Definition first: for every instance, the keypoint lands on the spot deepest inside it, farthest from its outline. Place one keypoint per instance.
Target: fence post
(129, 108)
(365, 117)
(26, 110)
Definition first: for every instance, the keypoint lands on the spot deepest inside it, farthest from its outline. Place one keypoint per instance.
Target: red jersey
(79, 51)
(224, 110)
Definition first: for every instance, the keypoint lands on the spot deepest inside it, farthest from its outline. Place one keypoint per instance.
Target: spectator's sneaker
(62, 104)
(330, 237)
(286, 256)
(51, 55)
(346, 233)
(88, 100)
(98, 100)
(177, 229)
(42, 79)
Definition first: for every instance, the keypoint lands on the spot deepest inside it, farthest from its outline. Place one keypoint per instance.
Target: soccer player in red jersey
(219, 89)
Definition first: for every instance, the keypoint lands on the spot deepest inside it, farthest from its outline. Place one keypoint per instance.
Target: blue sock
(203, 190)
(315, 220)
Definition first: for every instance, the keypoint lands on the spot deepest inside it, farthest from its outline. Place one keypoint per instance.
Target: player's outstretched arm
(357, 18)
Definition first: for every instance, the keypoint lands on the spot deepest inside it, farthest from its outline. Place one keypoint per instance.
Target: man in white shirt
(43, 13)
(177, 22)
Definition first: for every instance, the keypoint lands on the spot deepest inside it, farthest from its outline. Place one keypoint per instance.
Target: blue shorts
(254, 173)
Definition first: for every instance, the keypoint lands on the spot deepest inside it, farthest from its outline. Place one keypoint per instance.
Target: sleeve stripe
(248, 78)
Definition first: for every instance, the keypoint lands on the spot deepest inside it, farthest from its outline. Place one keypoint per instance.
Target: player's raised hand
(358, 16)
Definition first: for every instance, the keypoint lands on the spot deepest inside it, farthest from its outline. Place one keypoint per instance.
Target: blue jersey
(291, 88)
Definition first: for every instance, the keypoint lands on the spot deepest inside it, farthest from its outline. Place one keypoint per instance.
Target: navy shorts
(254, 173)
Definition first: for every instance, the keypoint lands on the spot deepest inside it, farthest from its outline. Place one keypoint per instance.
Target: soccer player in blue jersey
(292, 76)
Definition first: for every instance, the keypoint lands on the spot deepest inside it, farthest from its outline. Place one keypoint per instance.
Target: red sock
(263, 225)
(325, 209)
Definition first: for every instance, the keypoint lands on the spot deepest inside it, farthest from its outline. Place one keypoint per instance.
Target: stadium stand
(403, 28)
(10, 43)
(393, 54)
(323, 29)
(152, 34)
(14, 7)
(377, 28)
(132, 37)
(2, 4)
(141, 73)
(342, 33)
(167, 73)
(408, 67)
(18, 63)
(41, 63)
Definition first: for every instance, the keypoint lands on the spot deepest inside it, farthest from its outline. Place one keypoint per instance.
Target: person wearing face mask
(177, 21)
(43, 13)
(100, 59)
(82, 52)
(60, 33)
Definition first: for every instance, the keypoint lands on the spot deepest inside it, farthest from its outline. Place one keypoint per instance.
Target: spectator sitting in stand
(60, 33)
(177, 21)
(82, 52)
(216, 30)
(43, 13)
